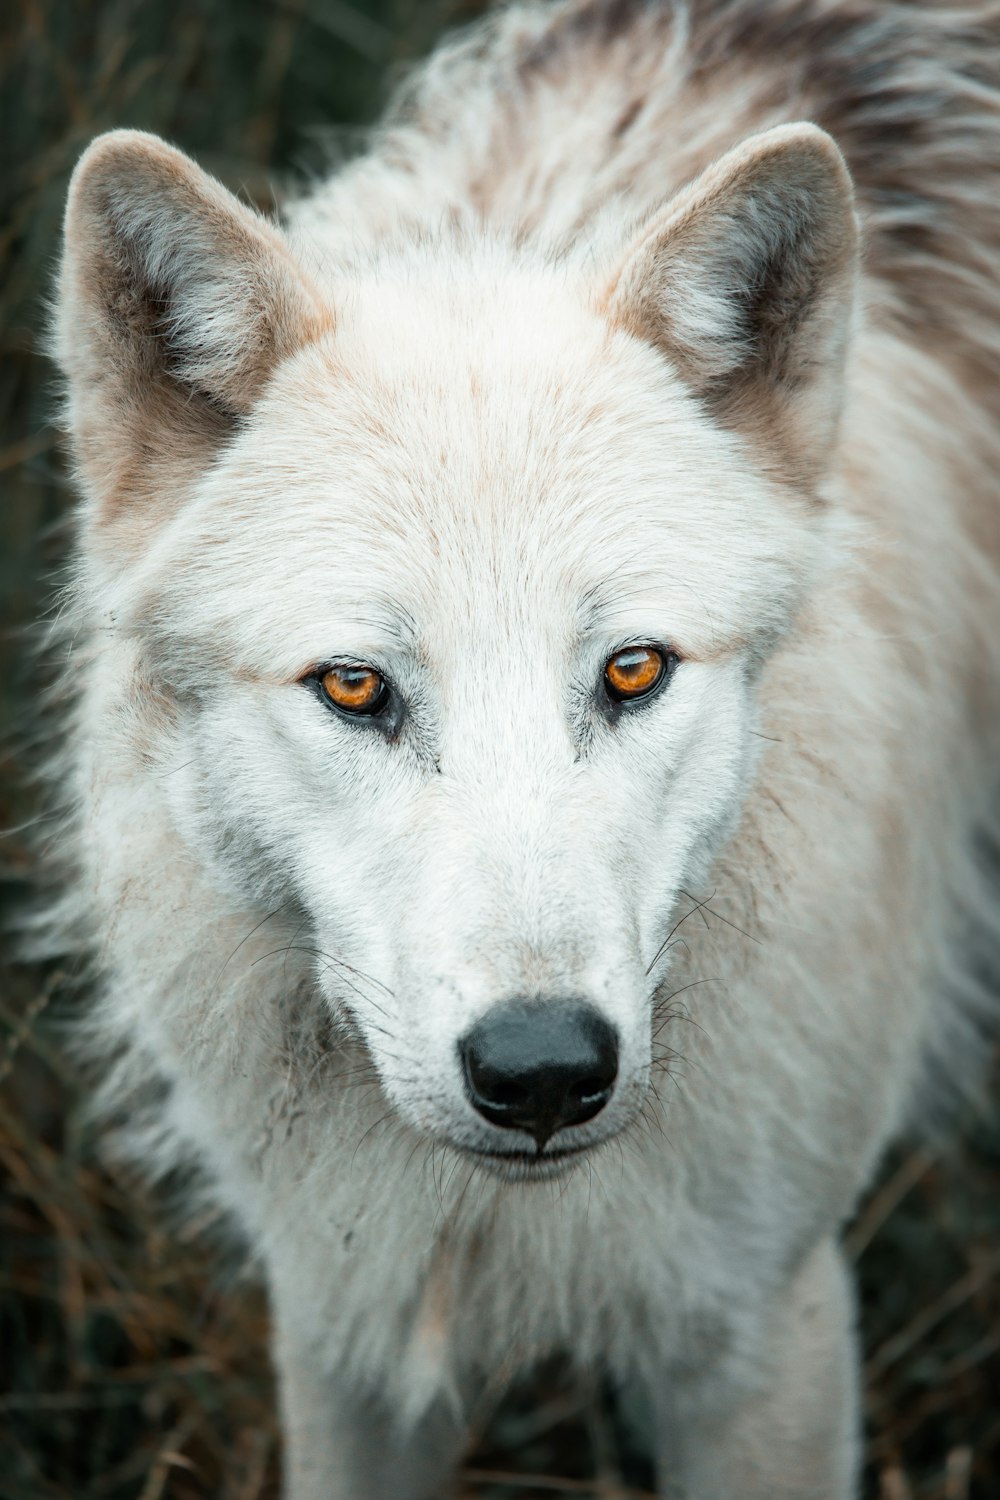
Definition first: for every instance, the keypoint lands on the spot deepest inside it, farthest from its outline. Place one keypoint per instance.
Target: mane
(911, 93)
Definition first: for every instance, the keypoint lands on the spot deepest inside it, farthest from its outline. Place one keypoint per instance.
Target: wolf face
(480, 485)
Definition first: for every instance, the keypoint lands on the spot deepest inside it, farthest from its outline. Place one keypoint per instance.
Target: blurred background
(133, 1354)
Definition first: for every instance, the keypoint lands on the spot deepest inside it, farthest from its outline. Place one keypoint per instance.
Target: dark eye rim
(379, 710)
(671, 660)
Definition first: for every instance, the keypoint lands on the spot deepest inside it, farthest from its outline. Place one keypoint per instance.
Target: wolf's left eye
(355, 690)
(637, 671)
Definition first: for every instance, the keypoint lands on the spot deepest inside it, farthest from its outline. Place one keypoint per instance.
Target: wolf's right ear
(175, 304)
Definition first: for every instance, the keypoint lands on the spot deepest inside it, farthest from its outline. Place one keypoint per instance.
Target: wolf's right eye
(354, 690)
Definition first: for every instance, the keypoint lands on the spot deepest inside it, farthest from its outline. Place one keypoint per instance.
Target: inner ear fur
(746, 283)
(175, 304)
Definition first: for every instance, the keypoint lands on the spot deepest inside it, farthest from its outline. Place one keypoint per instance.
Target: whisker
(303, 924)
(374, 1126)
(246, 939)
(336, 965)
(712, 912)
(676, 927)
(473, 1168)
(663, 1019)
(361, 974)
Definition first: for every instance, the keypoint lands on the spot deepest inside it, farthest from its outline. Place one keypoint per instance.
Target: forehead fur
(467, 440)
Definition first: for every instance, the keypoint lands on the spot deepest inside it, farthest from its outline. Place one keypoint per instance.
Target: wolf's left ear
(746, 282)
(176, 303)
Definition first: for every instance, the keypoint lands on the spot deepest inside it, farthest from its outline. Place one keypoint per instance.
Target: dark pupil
(355, 677)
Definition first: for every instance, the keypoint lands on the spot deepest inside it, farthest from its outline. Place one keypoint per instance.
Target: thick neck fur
(551, 122)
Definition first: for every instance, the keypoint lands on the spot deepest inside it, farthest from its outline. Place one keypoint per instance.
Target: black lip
(530, 1159)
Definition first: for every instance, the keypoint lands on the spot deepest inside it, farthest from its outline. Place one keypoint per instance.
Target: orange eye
(634, 672)
(355, 690)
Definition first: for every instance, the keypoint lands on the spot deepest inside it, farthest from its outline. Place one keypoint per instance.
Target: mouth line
(533, 1163)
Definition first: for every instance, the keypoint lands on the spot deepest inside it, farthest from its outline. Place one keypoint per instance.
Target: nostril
(591, 1089)
(588, 1099)
(540, 1066)
(499, 1094)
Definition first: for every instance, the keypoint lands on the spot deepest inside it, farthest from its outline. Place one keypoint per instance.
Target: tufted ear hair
(745, 281)
(175, 304)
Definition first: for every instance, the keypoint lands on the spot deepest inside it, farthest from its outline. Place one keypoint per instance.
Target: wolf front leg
(343, 1446)
(796, 1436)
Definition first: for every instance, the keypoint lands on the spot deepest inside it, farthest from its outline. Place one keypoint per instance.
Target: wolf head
(445, 580)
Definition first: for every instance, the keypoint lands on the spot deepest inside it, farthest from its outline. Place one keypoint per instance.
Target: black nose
(540, 1065)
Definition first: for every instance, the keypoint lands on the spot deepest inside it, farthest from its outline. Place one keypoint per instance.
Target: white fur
(479, 446)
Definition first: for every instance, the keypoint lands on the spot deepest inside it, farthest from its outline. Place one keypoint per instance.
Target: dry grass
(133, 1355)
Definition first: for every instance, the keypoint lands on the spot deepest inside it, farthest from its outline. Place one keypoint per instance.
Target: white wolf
(534, 646)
